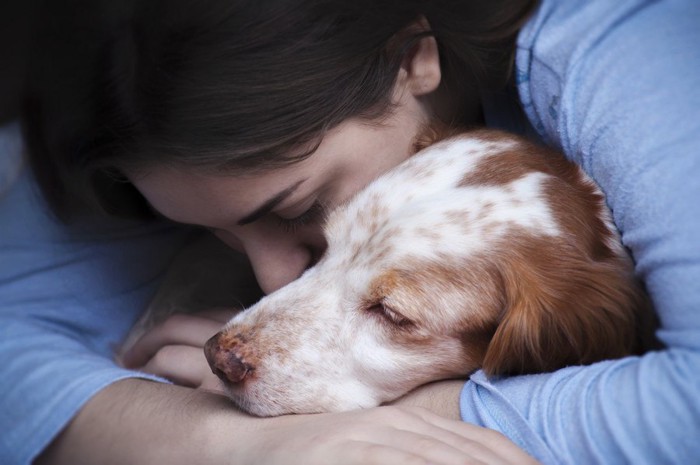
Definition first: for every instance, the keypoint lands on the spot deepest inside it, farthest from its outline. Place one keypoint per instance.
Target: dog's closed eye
(388, 314)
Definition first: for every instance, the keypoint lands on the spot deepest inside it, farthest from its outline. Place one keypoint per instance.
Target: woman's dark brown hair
(233, 84)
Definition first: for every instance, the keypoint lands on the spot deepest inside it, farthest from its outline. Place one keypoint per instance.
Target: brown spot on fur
(485, 211)
(578, 208)
(379, 256)
(508, 165)
(428, 233)
(576, 203)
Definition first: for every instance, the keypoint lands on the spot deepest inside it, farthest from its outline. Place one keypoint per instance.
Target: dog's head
(480, 251)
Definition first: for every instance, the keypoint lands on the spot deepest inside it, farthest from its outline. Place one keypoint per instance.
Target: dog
(483, 250)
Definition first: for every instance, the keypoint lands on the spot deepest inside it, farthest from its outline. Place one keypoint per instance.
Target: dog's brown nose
(224, 362)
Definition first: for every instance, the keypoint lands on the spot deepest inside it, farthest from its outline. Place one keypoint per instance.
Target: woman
(249, 120)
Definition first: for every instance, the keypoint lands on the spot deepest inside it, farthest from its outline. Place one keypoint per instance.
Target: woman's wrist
(441, 397)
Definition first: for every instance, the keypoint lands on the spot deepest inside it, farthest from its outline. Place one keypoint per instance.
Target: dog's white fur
(482, 250)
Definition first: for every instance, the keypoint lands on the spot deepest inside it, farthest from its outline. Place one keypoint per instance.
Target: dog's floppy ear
(564, 311)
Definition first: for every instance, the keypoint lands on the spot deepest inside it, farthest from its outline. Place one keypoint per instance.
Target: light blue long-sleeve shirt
(68, 294)
(616, 85)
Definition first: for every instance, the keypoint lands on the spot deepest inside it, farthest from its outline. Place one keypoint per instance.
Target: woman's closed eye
(314, 214)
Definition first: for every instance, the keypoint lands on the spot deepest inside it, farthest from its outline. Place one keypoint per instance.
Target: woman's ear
(421, 64)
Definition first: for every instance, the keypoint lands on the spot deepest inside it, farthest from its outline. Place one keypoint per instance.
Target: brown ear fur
(565, 311)
(433, 133)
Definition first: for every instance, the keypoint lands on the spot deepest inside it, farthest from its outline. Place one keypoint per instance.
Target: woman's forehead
(186, 195)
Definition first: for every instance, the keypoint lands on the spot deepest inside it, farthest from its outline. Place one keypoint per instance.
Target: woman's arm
(616, 85)
(141, 422)
(136, 421)
(68, 293)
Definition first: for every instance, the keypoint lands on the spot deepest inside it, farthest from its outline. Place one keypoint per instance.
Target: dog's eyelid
(391, 315)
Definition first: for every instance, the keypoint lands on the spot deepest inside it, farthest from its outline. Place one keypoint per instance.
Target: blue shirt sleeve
(616, 85)
(68, 295)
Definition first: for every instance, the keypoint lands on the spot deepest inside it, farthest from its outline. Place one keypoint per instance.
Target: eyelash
(291, 225)
(390, 315)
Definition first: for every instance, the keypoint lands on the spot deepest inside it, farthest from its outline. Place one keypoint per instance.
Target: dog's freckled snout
(224, 361)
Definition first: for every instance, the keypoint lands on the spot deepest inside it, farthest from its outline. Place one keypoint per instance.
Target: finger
(219, 314)
(463, 437)
(485, 444)
(439, 446)
(178, 329)
(183, 365)
(378, 454)
(212, 383)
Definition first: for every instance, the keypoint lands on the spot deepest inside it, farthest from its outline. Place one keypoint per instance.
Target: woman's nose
(278, 260)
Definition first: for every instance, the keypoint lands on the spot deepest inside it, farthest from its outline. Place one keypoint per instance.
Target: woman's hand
(383, 435)
(173, 349)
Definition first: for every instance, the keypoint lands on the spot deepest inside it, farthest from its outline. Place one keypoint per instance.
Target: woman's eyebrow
(269, 204)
